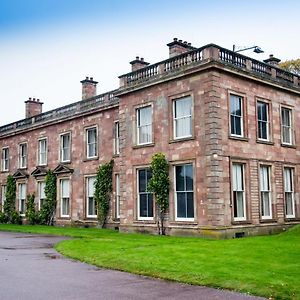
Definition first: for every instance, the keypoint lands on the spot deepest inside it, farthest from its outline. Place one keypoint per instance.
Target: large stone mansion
(227, 124)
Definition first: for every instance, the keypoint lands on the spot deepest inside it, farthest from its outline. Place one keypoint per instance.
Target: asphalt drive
(31, 269)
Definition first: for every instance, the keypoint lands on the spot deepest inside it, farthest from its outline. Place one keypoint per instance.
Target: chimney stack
(138, 63)
(89, 88)
(178, 47)
(272, 60)
(33, 107)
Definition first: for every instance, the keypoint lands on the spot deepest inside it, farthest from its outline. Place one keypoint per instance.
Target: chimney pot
(91, 78)
(87, 78)
(29, 98)
(137, 57)
(185, 42)
(180, 41)
(175, 39)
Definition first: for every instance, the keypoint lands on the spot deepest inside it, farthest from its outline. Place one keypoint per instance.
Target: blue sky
(47, 47)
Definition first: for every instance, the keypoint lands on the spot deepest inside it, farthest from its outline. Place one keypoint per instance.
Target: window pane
(65, 192)
(142, 180)
(65, 206)
(239, 204)
(181, 205)
(265, 204)
(189, 177)
(190, 205)
(289, 204)
(180, 186)
(183, 107)
(238, 177)
(143, 205)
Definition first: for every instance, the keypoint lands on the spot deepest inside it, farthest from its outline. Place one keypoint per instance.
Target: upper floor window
(5, 159)
(23, 155)
(288, 174)
(238, 188)
(182, 117)
(265, 192)
(144, 125)
(286, 126)
(65, 147)
(22, 198)
(145, 198)
(117, 139)
(42, 152)
(41, 193)
(65, 197)
(90, 199)
(263, 121)
(184, 192)
(91, 142)
(236, 116)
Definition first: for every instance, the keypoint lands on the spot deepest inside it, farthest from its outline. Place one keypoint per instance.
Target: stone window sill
(143, 146)
(238, 138)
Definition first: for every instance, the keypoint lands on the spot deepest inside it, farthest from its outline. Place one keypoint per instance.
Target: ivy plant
(103, 189)
(31, 212)
(9, 207)
(47, 212)
(159, 185)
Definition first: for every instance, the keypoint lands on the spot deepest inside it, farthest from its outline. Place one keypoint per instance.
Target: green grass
(268, 266)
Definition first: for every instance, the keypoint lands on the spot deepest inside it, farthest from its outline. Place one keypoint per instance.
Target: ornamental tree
(103, 189)
(159, 185)
(31, 213)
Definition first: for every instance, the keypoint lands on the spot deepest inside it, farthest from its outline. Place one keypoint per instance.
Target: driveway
(31, 269)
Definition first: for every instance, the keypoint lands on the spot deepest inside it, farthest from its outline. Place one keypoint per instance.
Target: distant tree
(103, 189)
(47, 212)
(292, 65)
(159, 186)
(9, 206)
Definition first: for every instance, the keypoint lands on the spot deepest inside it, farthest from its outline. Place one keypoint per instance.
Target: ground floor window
(41, 193)
(265, 192)
(289, 192)
(91, 202)
(184, 192)
(145, 199)
(238, 188)
(22, 198)
(65, 197)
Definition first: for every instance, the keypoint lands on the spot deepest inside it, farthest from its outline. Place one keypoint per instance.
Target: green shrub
(10, 199)
(103, 189)
(16, 218)
(47, 212)
(3, 218)
(31, 215)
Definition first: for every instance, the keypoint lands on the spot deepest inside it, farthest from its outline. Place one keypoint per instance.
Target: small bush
(3, 218)
(16, 218)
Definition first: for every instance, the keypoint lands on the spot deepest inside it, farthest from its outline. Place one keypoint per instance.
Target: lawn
(268, 266)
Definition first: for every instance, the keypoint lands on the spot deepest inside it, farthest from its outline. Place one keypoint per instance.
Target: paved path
(30, 269)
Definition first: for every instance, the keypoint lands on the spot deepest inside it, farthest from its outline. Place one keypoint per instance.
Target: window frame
(175, 119)
(187, 219)
(138, 193)
(267, 122)
(291, 128)
(242, 117)
(87, 196)
(20, 199)
(87, 144)
(244, 192)
(117, 196)
(116, 138)
(39, 153)
(138, 126)
(23, 159)
(61, 136)
(268, 191)
(5, 160)
(292, 192)
(61, 197)
(3, 196)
